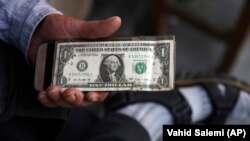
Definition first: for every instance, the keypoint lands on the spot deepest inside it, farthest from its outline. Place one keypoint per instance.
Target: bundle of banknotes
(143, 63)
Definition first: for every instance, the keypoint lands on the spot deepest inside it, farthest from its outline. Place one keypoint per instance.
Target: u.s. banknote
(120, 64)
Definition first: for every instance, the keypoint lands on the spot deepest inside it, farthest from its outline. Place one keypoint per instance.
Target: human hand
(55, 27)
(54, 96)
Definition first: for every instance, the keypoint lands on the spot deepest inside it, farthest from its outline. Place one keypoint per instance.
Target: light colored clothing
(18, 20)
(153, 115)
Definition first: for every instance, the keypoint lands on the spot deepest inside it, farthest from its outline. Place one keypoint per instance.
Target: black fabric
(223, 104)
(18, 88)
(116, 127)
(173, 100)
(22, 116)
(30, 129)
(8, 80)
(80, 120)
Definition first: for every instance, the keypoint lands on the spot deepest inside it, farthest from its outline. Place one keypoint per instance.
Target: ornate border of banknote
(144, 63)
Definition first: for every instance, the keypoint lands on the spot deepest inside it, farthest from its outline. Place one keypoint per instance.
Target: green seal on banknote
(140, 68)
(142, 63)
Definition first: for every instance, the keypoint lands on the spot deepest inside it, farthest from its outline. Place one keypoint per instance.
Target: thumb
(94, 29)
(56, 27)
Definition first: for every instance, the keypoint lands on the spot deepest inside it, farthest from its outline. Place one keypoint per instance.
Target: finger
(73, 97)
(74, 28)
(99, 29)
(64, 104)
(42, 97)
(61, 27)
(96, 96)
(53, 93)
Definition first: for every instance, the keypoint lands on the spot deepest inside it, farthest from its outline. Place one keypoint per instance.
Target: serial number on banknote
(143, 64)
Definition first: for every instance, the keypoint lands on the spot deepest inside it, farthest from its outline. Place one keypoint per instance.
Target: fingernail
(111, 18)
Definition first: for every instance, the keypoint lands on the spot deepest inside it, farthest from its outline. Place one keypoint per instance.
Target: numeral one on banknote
(120, 64)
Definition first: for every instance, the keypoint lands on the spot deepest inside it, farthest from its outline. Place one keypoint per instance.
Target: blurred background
(211, 35)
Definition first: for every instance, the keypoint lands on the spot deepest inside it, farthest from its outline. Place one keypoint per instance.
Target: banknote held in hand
(143, 63)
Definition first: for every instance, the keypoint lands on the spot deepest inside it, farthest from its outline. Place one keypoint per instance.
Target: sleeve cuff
(35, 16)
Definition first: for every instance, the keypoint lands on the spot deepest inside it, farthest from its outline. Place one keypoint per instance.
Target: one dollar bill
(121, 64)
